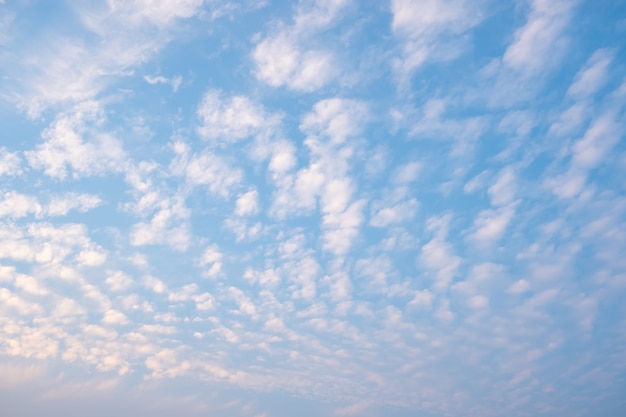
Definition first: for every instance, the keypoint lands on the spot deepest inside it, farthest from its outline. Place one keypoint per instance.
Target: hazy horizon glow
(312, 208)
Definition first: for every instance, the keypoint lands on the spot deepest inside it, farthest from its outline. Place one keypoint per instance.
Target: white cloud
(157, 329)
(137, 13)
(186, 293)
(276, 60)
(395, 214)
(490, 225)
(318, 14)
(232, 119)
(204, 301)
(541, 40)
(519, 123)
(567, 185)
(175, 82)
(408, 173)
(68, 307)
(432, 122)
(169, 223)
(94, 298)
(537, 48)
(123, 35)
(242, 229)
(478, 302)
(167, 363)
(329, 125)
(91, 257)
(341, 228)
(283, 158)
(335, 118)
(438, 255)
(570, 120)
(599, 139)
(246, 306)
(318, 305)
(280, 61)
(519, 286)
(75, 141)
(482, 281)
(594, 74)
(44, 243)
(16, 205)
(114, 318)
(476, 183)
(32, 343)
(154, 284)
(11, 301)
(247, 203)
(293, 247)
(212, 258)
(269, 277)
(425, 29)
(340, 286)
(133, 302)
(444, 313)
(503, 190)
(9, 162)
(61, 205)
(287, 57)
(164, 228)
(336, 195)
(118, 281)
(308, 183)
(485, 272)
(587, 153)
(275, 324)
(7, 273)
(422, 298)
(378, 271)
(414, 18)
(30, 285)
(205, 168)
(229, 335)
(302, 274)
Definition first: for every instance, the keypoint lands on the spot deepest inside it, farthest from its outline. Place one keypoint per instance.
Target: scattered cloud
(349, 207)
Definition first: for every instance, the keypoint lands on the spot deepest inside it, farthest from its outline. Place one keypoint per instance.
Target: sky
(251, 208)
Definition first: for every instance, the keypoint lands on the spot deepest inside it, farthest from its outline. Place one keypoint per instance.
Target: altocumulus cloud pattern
(312, 208)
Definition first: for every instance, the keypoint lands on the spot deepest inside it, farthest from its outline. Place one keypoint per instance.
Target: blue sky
(312, 208)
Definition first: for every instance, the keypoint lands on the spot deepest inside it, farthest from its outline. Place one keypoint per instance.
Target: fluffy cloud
(232, 119)
(9, 162)
(438, 255)
(280, 61)
(420, 25)
(247, 203)
(75, 142)
(205, 168)
(285, 58)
